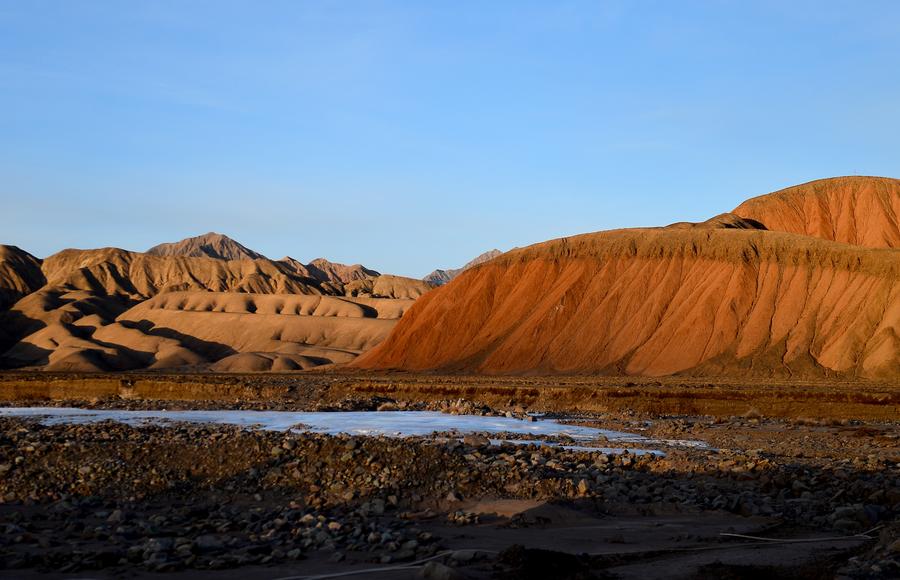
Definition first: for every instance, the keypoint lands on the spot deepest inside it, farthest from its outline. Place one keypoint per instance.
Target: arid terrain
(109, 499)
(203, 303)
(814, 294)
(739, 379)
(801, 283)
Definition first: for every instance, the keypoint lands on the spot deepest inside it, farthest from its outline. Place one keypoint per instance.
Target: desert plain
(716, 399)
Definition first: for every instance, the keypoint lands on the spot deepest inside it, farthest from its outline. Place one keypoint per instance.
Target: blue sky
(410, 136)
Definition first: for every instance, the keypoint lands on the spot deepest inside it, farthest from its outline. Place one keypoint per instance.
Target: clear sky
(415, 135)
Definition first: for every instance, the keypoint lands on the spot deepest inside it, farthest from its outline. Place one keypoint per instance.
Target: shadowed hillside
(20, 274)
(110, 309)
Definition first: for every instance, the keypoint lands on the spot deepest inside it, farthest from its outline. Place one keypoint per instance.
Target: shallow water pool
(392, 423)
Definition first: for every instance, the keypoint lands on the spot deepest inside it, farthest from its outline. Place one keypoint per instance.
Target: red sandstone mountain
(864, 211)
(727, 297)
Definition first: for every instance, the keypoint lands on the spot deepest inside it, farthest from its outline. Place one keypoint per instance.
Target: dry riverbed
(189, 500)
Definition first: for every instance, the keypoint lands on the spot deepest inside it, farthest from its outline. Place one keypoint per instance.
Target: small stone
(209, 542)
(463, 556)
(583, 487)
(846, 525)
(476, 440)
(894, 548)
(437, 571)
(159, 545)
(377, 506)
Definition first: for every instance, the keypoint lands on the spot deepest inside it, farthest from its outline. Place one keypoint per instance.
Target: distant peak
(442, 276)
(328, 271)
(208, 245)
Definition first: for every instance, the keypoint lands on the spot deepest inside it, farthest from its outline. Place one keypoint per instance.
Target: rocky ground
(119, 500)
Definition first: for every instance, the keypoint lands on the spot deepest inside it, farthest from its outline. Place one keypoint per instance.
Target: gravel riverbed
(108, 496)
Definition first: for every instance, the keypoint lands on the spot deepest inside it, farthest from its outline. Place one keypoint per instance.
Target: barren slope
(115, 271)
(322, 329)
(864, 211)
(211, 245)
(181, 311)
(20, 274)
(221, 247)
(322, 269)
(243, 332)
(662, 301)
(388, 286)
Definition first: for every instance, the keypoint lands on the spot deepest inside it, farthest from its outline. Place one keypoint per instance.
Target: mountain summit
(211, 245)
(441, 277)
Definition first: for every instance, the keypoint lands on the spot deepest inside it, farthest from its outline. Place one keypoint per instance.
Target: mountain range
(204, 303)
(800, 283)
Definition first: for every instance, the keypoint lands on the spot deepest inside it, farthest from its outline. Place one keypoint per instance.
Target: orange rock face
(864, 211)
(714, 299)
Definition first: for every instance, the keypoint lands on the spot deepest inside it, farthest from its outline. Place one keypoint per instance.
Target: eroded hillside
(724, 297)
(110, 309)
